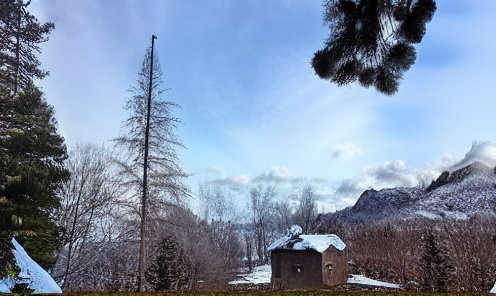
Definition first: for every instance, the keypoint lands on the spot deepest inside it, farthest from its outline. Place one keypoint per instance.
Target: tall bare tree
(150, 163)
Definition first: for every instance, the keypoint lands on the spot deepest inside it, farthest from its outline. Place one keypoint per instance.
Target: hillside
(456, 194)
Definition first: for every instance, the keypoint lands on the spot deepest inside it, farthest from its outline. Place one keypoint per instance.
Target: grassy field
(278, 293)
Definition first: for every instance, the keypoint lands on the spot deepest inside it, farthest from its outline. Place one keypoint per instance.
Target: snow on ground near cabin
(37, 277)
(493, 290)
(261, 275)
(358, 279)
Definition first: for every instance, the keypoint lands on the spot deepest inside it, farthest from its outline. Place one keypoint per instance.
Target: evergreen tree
(20, 36)
(31, 171)
(371, 41)
(7, 259)
(168, 272)
(150, 163)
(435, 267)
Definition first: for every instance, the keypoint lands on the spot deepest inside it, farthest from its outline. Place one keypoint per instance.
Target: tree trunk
(142, 253)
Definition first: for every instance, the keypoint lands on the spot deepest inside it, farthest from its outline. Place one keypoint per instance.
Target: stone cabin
(308, 261)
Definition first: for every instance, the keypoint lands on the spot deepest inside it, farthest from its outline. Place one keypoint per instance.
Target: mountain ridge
(457, 194)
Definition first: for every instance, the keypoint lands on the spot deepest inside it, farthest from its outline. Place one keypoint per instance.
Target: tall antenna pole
(142, 255)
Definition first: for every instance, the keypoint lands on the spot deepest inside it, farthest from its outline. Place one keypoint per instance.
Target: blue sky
(252, 106)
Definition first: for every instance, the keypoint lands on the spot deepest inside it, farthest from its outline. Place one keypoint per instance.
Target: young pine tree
(168, 271)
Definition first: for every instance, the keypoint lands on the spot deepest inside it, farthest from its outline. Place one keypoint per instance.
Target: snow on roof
(317, 242)
(37, 277)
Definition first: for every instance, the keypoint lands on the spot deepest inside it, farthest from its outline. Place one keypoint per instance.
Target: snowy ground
(261, 275)
(358, 279)
(39, 280)
(493, 290)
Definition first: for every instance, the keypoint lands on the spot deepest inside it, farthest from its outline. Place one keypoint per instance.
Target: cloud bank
(336, 195)
(482, 151)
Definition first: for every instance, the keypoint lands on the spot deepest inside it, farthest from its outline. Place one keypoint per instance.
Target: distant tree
(435, 267)
(150, 163)
(307, 209)
(20, 37)
(248, 240)
(262, 207)
(283, 216)
(168, 271)
(216, 203)
(371, 41)
(31, 172)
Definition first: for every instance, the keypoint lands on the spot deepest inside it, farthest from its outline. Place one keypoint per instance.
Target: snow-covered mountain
(458, 193)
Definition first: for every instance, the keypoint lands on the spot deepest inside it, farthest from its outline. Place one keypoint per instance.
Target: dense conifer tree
(31, 171)
(20, 37)
(371, 41)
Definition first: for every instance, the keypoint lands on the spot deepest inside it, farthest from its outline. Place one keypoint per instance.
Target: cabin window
(329, 268)
(298, 268)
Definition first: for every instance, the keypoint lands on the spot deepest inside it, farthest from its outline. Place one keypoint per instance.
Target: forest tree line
(186, 252)
(424, 254)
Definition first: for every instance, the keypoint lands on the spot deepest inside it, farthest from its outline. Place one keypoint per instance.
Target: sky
(252, 108)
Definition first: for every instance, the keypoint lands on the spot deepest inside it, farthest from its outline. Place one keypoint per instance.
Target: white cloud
(216, 172)
(391, 174)
(484, 152)
(281, 172)
(241, 180)
(344, 152)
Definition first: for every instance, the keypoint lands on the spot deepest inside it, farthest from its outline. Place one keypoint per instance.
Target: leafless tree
(472, 248)
(86, 200)
(150, 164)
(262, 207)
(216, 203)
(283, 216)
(307, 209)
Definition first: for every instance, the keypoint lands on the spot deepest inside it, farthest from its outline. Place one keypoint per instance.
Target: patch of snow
(427, 214)
(493, 290)
(39, 280)
(319, 243)
(295, 230)
(456, 215)
(358, 279)
(260, 275)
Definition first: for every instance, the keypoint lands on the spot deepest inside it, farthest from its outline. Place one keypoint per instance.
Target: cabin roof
(317, 242)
